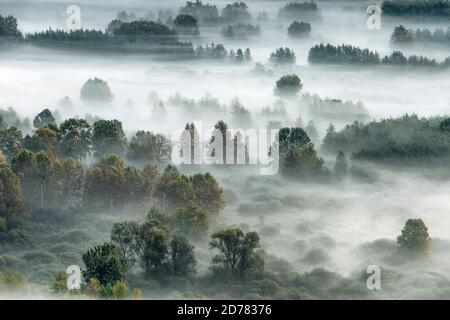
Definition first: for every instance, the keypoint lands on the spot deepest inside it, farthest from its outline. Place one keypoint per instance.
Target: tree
(183, 257)
(341, 165)
(113, 25)
(108, 137)
(44, 139)
(283, 56)
(104, 264)
(401, 34)
(294, 9)
(153, 247)
(117, 290)
(444, 125)
(68, 182)
(44, 170)
(173, 189)
(11, 203)
(415, 238)
(23, 165)
(395, 58)
(59, 286)
(123, 235)
(43, 119)
(298, 157)
(204, 13)
(236, 251)
(96, 90)
(10, 140)
(75, 138)
(191, 221)
(288, 85)
(8, 27)
(145, 146)
(208, 193)
(235, 12)
(105, 184)
(186, 24)
(299, 29)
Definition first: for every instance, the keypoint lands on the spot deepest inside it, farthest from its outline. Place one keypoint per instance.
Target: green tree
(153, 247)
(282, 56)
(401, 34)
(11, 203)
(10, 140)
(104, 264)
(288, 85)
(44, 139)
(415, 238)
(182, 257)
(44, 170)
(148, 147)
(108, 137)
(105, 184)
(208, 193)
(59, 286)
(236, 251)
(124, 236)
(298, 158)
(75, 138)
(191, 221)
(117, 290)
(8, 27)
(173, 189)
(44, 119)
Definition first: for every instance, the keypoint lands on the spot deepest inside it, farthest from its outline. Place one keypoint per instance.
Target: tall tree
(124, 236)
(153, 247)
(11, 202)
(108, 137)
(182, 257)
(75, 138)
(10, 140)
(43, 119)
(208, 193)
(44, 139)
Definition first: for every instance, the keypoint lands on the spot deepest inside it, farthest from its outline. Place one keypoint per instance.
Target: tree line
(347, 54)
(436, 8)
(408, 137)
(403, 35)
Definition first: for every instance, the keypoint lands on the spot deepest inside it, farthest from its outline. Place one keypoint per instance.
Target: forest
(90, 122)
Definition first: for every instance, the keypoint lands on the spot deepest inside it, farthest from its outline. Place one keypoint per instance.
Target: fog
(341, 219)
